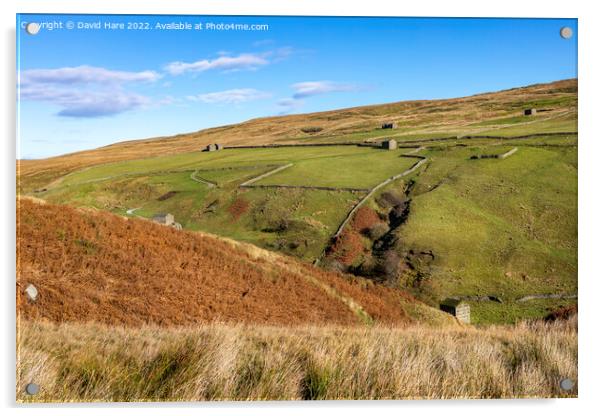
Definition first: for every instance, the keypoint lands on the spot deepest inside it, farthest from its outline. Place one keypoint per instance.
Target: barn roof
(453, 302)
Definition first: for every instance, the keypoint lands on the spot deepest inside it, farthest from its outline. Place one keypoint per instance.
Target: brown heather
(239, 207)
(96, 266)
(347, 247)
(133, 311)
(364, 219)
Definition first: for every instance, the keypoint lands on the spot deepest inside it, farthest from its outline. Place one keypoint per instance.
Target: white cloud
(234, 96)
(84, 91)
(83, 103)
(227, 62)
(311, 88)
(246, 61)
(85, 75)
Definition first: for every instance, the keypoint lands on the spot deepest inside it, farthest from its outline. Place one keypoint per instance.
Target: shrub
(239, 207)
(270, 215)
(377, 231)
(390, 199)
(167, 195)
(334, 265)
(397, 213)
(389, 265)
(311, 129)
(347, 247)
(364, 219)
(211, 207)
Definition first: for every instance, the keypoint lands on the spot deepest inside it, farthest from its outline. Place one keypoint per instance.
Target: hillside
(457, 221)
(493, 231)
(500, 233)
(497, 112)
(95, 266)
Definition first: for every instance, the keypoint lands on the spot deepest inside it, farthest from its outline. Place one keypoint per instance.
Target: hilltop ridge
(477, 114)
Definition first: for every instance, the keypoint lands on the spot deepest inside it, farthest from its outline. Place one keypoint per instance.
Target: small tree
(377, 231)
(390, 199)
(389, 265)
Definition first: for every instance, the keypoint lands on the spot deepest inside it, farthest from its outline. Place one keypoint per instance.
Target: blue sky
(85, 88)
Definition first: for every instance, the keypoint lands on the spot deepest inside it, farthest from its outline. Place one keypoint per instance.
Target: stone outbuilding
(530, 111)
(167, 219)
(457, 308)
(164, 219)
(211, 148)
(389, 125)
(389, 144)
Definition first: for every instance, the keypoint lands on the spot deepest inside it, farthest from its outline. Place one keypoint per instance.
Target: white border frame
(590, 224)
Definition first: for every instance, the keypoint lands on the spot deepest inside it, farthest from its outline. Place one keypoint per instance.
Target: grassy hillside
(491, 231)
(499, 233)
(506, 228)
(480, 229)
(95, 266)
(202, 190)
(218, 362)
(497, 112)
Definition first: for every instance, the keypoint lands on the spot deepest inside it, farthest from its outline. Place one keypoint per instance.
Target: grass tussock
(90, 362)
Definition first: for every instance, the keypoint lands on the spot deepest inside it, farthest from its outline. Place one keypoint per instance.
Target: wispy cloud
(85, 75)
(303, 90)
(311, 88)
(83, 103)
(234, 96)
(288, 105)
(264, 42)
(228, 62)
(84, 91)
(281, 54)
(246, 61)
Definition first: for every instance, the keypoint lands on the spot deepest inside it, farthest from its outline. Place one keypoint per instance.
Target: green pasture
(497, 227)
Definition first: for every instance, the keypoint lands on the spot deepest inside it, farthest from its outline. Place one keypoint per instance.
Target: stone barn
(530, 111)
(389, 125)
(457, 308)
(389, 144)
(164, 219)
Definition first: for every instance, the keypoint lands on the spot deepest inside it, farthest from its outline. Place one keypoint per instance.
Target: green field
(362, 170)
(295, 221)
(236, 158)
(503, 228)
(506, 228)
(566, 123)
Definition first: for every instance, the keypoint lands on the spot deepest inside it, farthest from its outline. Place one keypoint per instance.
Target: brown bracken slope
(94, 266)
(413, 117)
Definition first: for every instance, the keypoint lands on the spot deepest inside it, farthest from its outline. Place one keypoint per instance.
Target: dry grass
(90, 362)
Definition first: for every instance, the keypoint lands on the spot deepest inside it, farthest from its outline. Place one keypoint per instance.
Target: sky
(98, 83)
